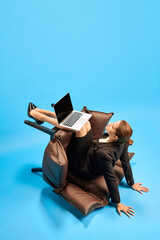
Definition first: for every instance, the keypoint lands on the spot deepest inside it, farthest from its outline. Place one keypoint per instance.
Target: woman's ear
(115, 137)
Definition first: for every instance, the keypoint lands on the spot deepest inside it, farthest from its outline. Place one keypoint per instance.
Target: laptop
(67, 117)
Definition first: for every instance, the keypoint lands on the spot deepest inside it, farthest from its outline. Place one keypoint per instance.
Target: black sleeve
(105, 164)
(126, 166)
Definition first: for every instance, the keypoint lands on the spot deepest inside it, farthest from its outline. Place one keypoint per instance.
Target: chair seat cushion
(84, 201)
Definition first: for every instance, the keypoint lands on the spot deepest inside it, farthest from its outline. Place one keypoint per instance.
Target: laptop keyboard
(72, 119)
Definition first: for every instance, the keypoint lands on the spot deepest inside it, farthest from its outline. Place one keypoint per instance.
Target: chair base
(36, 169)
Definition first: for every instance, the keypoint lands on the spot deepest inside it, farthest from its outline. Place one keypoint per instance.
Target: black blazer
(101, 158)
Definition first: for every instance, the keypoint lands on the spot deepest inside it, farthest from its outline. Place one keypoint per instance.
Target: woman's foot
(31, 106)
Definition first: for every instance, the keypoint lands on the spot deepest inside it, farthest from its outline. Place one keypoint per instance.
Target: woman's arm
(105, 163)
(128, 173)
(126, 166)
(127, 210)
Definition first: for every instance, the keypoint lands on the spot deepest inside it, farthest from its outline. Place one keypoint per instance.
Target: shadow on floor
(50, 200)
(47, 195)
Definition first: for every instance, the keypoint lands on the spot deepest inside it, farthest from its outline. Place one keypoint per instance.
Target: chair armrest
(49, 131)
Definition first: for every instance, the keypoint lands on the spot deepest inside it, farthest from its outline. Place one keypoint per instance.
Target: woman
(88, 159)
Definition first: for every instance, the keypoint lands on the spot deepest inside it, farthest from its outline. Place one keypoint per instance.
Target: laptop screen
(63, 107)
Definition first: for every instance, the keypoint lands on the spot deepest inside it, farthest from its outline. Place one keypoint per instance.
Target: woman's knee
(87, 126)
(82, 132)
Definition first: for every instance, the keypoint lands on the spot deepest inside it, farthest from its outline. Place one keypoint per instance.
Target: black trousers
(77, 152)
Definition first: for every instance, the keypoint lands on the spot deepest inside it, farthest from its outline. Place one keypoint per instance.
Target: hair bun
(130, 141)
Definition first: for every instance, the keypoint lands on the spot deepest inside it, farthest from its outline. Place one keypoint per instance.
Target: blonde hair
(124, 132)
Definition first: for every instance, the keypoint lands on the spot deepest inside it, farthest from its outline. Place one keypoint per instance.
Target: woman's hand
(139, 188)
(125, 209)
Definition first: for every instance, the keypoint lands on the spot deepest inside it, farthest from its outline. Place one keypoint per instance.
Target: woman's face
(111, 128)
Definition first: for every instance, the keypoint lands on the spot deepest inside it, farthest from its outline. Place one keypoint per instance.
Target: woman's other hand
(125, 209)
(139, 188)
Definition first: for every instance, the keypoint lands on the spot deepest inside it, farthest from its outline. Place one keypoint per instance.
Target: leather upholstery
(55, 164)
(98, 121)
(84, 195)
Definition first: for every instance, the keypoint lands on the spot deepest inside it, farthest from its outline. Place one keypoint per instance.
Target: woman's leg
(84, 130)
(42, 117)
(46, 112)
(78, 148)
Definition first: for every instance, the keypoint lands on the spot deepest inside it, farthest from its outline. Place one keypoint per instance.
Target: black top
(100, 158)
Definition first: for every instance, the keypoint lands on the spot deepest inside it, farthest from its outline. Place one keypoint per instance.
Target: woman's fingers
(127, 214)
(131, 213)
(127, 210)
(130, 207)
(144, 189)
(119, 212)
(131, 210)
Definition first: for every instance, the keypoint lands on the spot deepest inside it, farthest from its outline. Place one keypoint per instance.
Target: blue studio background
(107, 55)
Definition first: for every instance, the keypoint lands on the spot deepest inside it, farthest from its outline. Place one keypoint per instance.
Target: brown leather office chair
(84, 195)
